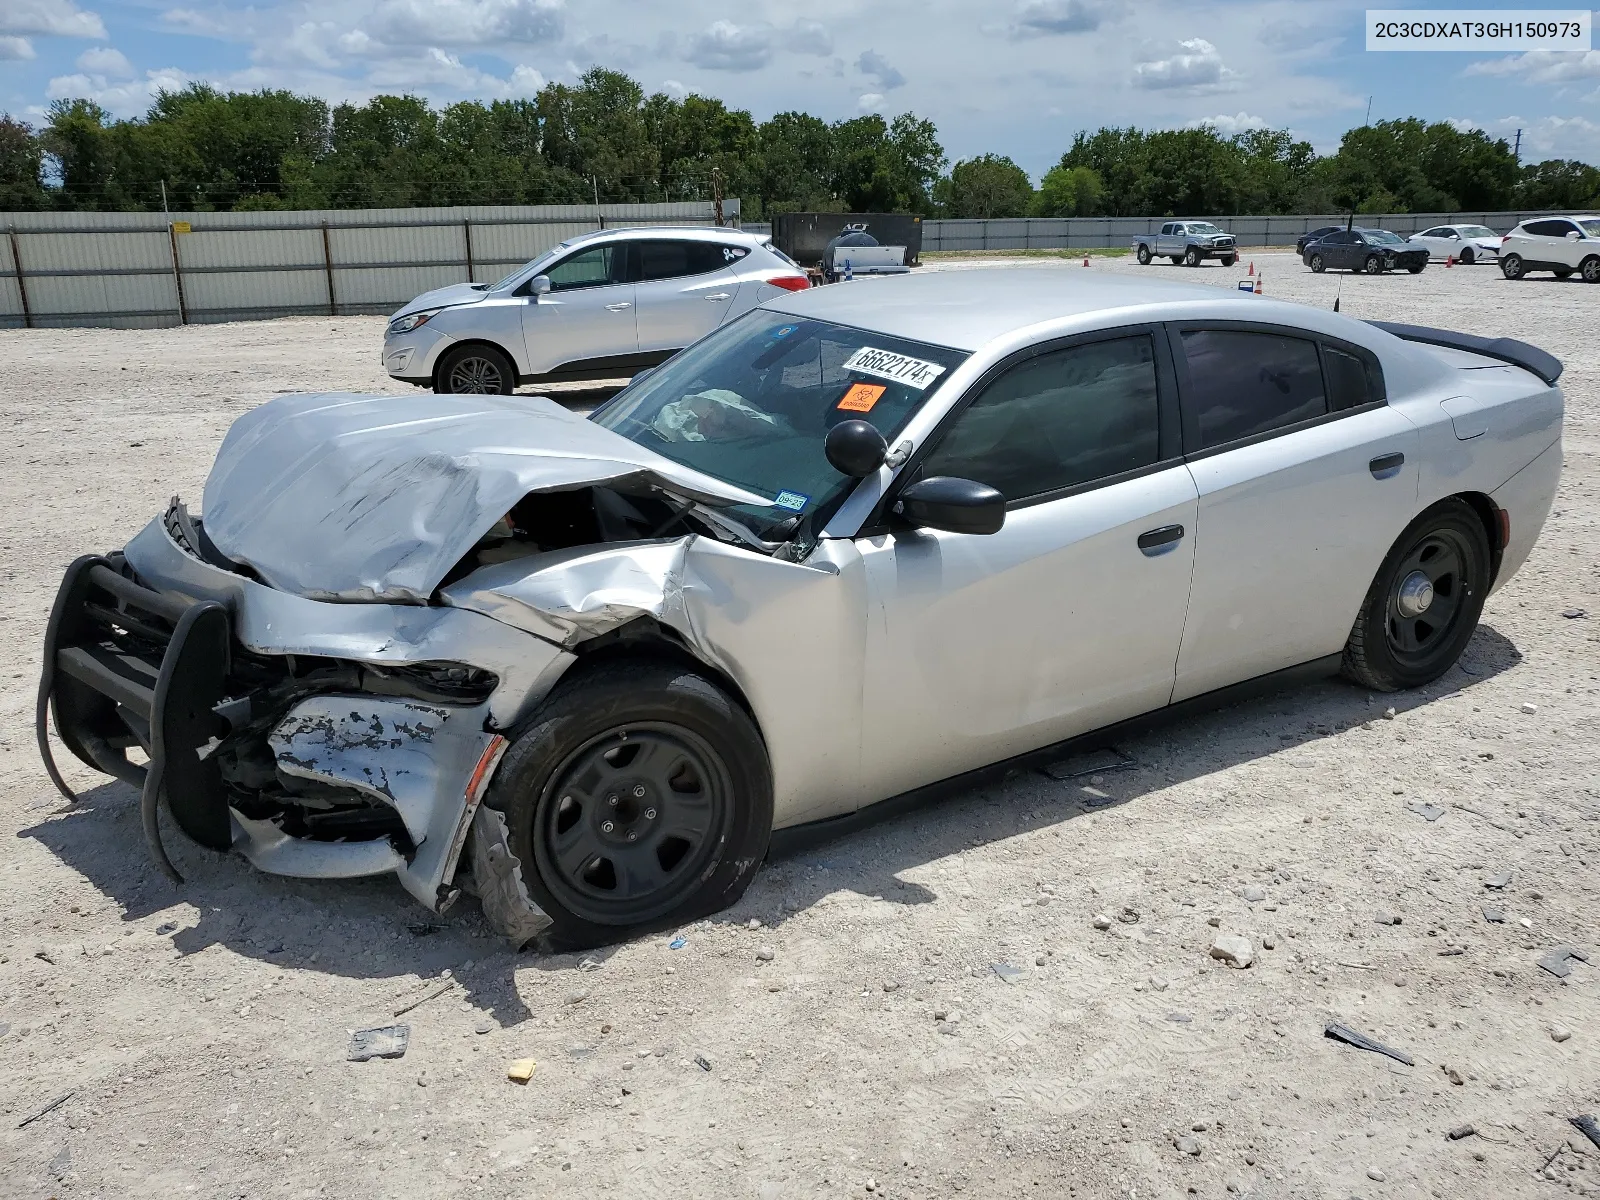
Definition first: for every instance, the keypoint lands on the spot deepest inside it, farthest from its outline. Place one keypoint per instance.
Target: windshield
(1203, 227)
(1472, 231)
(1590, 228)
(1382, 237)
(545, 257)
(752, 403)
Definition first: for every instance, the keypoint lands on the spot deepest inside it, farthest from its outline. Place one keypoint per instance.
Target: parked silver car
(863, 543)
(598, 306)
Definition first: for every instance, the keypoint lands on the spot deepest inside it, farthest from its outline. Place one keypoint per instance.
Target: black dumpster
(804, 237)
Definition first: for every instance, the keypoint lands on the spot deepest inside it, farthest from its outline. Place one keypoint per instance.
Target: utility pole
(594, 181)
(1516, 150)
(163, 195)
(716, 195)
(1368, 121)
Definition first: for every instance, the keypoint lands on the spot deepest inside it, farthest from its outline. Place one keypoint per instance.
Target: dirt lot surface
(795, 1046)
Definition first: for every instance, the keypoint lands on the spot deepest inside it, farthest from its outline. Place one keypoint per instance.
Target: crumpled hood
(445, 297)
(375, 498)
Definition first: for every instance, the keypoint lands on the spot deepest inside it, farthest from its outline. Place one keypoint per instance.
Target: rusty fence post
(466, 232)
(177, 274)
(327, 263)
(22, 288)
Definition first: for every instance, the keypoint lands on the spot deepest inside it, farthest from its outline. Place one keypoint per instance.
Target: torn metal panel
(375, 498)
(269, 621)
(792, 636)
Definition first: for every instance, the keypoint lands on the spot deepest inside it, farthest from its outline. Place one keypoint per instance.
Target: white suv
(1559, 244)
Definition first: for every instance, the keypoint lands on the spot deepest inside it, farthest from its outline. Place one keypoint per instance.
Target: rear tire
(1410, 632)
(476, 370)
(1191, 257)
(1317, 265)
(1511, 266)
(638, 797)
(1143, 255)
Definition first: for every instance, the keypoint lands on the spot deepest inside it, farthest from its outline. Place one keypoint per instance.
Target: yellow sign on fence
(181, 227)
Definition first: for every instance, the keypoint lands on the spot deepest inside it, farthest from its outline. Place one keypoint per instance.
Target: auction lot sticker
(901, 368)
(1478, 29)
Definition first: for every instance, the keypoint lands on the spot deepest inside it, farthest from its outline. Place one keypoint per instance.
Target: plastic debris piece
(1461, 1131)
(1007, 972)
(48, 1108)
(520, 1070)
(1498, 881)
(1092, 762)
(1343, 1033)
(1588, 1126)
(678, 943)
(701, 1061)
(1558, 960)
(386, 1041)
(1428, 812)
(1573, 614)
(1494, 915)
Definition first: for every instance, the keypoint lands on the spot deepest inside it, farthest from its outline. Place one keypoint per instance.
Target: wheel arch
(1490, 515)
(467, 344)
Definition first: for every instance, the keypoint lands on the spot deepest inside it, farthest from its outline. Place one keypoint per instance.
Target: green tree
(796, 165)
(1558, 183)
(989, 185)
(76, 139)
(1068, 192)
(21, 159)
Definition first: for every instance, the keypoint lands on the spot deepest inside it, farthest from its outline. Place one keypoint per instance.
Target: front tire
(1511, 266)
(1424, 603)
(1143, 255)
(1468, 256)
(1417, 270)
(1373, 265)
(1317, 265)
(638, 797)
(1191, 257)
(476, 370)
(1228, 260)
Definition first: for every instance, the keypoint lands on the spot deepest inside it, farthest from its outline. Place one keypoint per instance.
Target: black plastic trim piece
(796, 839)
(1507, 350)
(609, 366)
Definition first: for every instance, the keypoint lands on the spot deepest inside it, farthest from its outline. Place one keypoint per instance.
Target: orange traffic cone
(1086, 260)
(1252, 269)
(1258, 285)
(1449, 260)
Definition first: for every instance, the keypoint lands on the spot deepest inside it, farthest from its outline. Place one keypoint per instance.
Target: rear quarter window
(1244, 383)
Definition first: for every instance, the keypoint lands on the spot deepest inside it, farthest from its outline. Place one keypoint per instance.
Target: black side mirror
(953, 505)
(855, 448)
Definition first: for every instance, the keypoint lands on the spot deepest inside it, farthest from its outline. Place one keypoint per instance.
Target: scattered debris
(1375, 1175)
(1187, 1145)
(1499, 881)
(482, 1026)
(579, 1052)
(1181, 1018)
(765, 954)
(1254, 893)
(701, 1061)
(1232, 949)
(1560, 1034)
(61, 1163)
(1128, 916)
(1158, 984)
(520, 1070)
(1530, 709)
(678, 943)
(1558, 961)
(1494, 915)
(590, 964)
(166, 927)
(420, 1001)
(1343, 1033)
(1359, 966)
(1007, 972)
(1101, 921)
(419, 929)
(1092, 762)
(1453, 1075)
(1386, 919)
(1452, 951)
(1389, 714)
(1461, 1131)
(575, 997)
(1588, 1126)
(386, 1041)
(44, 956)
(1428, 812)
(48, 1108)
(1573, 614)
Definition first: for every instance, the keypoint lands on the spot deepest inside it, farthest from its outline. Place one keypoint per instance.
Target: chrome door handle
(1386, 466)
(1159, 541)
(718, 296)
(618, 307)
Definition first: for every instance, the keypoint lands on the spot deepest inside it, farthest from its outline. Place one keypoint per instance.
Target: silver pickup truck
(1187, 242)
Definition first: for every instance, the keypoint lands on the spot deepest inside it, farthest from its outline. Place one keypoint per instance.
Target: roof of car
(690, 233)
(969, 308)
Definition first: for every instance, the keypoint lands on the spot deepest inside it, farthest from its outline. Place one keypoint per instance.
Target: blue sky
(1017, 77)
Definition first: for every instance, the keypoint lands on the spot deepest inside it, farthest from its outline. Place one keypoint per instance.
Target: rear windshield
(752, 403)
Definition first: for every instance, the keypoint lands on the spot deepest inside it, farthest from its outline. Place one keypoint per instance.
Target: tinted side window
(1242, 384)
(672, 260)
(587, 268)
(1348, 382)
(1548, 228)
(1059, 419)
(1167, 229)
(1438, 232)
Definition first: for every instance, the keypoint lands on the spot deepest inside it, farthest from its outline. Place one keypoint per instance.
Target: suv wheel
(1591, 269)
(1511, 266)
(476, 370)
(1144, 255)
(1191, 257)
(637, 797)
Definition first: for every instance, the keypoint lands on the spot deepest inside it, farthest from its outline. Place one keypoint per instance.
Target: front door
(587, 316)
(1068, 618)
(684, 290)
(1305, 479)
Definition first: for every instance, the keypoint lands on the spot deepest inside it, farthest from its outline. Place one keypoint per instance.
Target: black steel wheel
(476, 370)
(638, 796)
(1424, 603)
(1317, 264)
(1191, 257)
(1143, 255)
(1373, 265)
(1511, 266)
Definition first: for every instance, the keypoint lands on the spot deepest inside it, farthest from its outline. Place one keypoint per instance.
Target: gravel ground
(848, 1028)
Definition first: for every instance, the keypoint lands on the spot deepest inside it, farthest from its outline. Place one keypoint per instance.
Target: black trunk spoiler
(1507, 350)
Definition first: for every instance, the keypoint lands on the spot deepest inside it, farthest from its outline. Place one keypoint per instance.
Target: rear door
(684, 290)
(587, 315)
(1305, 478)
(1439, 242)
(1547, 242)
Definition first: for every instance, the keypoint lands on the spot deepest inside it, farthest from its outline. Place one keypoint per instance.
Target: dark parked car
(1305, 239)
(1371, 250)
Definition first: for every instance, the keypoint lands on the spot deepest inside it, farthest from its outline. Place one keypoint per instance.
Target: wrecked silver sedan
(860, 544)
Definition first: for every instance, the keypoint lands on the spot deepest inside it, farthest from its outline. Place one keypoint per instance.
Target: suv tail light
(790, 283)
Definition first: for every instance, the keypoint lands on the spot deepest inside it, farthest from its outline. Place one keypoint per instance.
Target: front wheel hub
(1415, 594)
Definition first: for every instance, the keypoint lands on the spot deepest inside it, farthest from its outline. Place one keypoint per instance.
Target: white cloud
(674, 89)
(466, 22)
(15, 49)
(875, 67)
(1199, 66)
(869, 101)
(56, 18)
(105, 61)
(1550, 137)
(1229, 124)
(121, 98)
(525, 79)
(729, 47)
(1047, 17)
(1543, 66)
(809, 37)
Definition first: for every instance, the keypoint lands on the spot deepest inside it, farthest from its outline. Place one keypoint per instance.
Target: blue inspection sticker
(793, 501)
(783, 331)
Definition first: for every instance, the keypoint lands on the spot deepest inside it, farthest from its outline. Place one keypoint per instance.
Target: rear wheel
(1191, 257)
(476, 370)
(1373, 265)
(1511, 266)
(1143, 255)
(1424, 603)
(637, 797)
(1317, 265)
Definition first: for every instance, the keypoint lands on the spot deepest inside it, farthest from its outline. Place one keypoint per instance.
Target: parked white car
(1558, 244)
(602, 305)
(1466, 244)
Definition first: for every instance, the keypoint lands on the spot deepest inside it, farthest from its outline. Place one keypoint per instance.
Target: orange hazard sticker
(862, 396)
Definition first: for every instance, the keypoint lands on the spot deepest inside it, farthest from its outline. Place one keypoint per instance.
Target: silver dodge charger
(862, 544)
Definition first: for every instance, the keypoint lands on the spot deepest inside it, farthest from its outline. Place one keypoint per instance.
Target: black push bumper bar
(126, 666)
